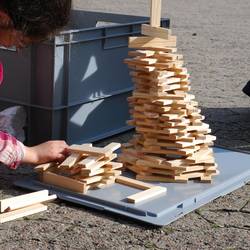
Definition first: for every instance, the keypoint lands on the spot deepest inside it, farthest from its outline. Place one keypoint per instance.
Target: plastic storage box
(80, 73)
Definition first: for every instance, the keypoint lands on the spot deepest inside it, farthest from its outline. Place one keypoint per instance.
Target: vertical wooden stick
(155, 19)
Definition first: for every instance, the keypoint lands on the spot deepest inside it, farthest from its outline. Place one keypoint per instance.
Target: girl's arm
(45, 152)
(13, 152)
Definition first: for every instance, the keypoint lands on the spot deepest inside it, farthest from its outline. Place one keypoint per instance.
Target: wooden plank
(158, 131)
(68, 172)
(128, 158)
(165, 88)
(26, 211)
(155, 75)
(63, 182)
(90, 160)
(114, 173)
(95, 151)
(180, 152)
(138, 94)
(6, 203)
(155, 13)
(159, 32)
(179, 145)
(154, 158)
(141, 61)
(97, 185)
(44, 167)
(164, 102)
(151, 164)
(99, 164)
(159, 49)
(114, 165)
(87, 144)
(133, 183)
(29, 202)
(112, 147)
(70, 161)
(92, 164)
(83, 149)
(201, 160)
(149, 42)
(211, 170)
(133, 169)
(168, 56)
(194, 168)
(200, 155)
(159, 178)
(108, 181)
(202, 128)
(90, 180)
(144, 68)
(144, 53)
(206, 179)
(90, 173)
(172, 80)
(153, 192)
(167, 65)
(150, 171)
(191, 175)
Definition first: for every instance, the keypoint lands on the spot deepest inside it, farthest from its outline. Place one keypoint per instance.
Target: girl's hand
(45, 152)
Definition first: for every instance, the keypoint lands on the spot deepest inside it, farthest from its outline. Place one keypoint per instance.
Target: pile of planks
(87, 167)
(172, 143)
(23, 205)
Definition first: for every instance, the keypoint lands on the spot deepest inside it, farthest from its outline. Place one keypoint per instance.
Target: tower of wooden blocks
(172, 143)
(87, 167)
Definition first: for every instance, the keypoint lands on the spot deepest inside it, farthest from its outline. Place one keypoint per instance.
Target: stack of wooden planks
(87, 167)
(23, 205)
(172, 143)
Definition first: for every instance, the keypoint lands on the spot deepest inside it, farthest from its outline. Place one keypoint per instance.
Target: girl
(23, 22)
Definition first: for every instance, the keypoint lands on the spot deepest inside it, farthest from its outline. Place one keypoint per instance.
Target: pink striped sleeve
(11, 150)
(1, 73)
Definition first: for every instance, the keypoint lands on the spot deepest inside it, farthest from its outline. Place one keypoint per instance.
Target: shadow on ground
(231, 126)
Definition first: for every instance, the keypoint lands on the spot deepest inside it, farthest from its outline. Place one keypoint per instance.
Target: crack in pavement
(231, 210)
(246, 204)
(247, 227)
(208, 220)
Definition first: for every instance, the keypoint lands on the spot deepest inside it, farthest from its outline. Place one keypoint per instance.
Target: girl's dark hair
(38, 18)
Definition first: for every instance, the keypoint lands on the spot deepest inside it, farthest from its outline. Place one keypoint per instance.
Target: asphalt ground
(214, 38)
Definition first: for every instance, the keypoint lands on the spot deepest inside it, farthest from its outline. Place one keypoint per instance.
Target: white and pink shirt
(11, 150)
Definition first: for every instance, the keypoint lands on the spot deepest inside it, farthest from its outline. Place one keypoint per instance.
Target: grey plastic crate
(82, 64)
(81, 123)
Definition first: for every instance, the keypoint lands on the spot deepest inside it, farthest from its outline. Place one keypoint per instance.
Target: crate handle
(107, 46)
(118, 40)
